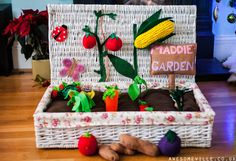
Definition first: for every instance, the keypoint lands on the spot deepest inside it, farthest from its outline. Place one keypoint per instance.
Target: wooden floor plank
(18, 100)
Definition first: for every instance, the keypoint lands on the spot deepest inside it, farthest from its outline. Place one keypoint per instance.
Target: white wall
(17, 6)
(225, 37)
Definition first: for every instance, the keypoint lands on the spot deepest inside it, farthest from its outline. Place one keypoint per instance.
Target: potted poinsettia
(30, 29)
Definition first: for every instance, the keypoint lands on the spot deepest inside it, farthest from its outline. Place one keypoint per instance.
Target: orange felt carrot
(110, 97)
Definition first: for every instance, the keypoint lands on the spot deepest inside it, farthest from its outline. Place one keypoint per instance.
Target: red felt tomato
(113, 43)
(60, 33)
(87, 144)
(89, 41)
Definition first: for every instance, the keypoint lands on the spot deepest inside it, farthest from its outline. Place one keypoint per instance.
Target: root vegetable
(117, 147)
(142, 146)
(107, 153)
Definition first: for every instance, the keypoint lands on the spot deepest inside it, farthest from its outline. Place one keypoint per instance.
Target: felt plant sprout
(136, 87)
(143, 106)
(177, 97)
(110, 97)
(72, 68)
(112, 43)
(170, 144)
(81, 101)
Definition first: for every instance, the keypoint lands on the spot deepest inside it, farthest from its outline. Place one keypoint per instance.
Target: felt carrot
(110, 97)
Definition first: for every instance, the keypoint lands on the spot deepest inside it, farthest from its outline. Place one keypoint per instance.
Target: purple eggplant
(170, 144)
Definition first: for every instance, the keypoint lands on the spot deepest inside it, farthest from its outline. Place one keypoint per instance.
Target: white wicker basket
(61, 130)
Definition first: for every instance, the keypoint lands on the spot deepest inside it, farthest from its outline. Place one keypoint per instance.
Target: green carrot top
(110, 92)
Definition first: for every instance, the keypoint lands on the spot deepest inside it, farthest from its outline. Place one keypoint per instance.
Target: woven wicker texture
(195, 136)
(75, 17)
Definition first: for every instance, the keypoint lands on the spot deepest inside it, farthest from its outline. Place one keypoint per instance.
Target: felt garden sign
(177, 59)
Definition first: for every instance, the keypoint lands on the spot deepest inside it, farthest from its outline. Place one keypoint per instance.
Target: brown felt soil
(159, 99)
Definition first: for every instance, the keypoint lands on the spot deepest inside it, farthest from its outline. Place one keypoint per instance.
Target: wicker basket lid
(75, 17)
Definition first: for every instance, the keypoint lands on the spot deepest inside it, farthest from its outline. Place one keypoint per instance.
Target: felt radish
(170, 144)
(114, 43)
(142, 105)
(54, 94)
(87, 144)
(110, 97)
(60, 33)
(89, 41)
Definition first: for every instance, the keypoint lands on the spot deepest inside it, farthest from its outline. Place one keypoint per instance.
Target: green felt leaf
(171, 136)
(112, 16)
(139, 80)
(148, 109)
(122, 66)
(151, 24)
(97, 71)
(135, 50)
(133, 91)
(84, 102)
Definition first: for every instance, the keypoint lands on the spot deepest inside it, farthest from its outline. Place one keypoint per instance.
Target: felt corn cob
(158, 32)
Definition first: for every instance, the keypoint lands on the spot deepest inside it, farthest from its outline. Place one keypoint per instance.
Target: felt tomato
(89, 41)
(113, 43)
(61, 86)
(170, 144)
(60, 33)
(87, 144)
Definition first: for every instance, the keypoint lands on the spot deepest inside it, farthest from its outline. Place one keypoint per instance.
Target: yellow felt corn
(159, 31)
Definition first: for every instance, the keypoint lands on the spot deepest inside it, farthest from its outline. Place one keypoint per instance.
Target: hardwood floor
(18, 99)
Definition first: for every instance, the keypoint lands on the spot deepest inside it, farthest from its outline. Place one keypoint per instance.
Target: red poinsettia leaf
(24, 28)
(30, 11)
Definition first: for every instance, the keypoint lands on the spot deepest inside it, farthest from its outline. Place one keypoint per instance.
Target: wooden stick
(171, 80)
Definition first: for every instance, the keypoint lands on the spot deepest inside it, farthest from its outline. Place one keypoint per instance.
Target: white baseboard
(224, 46)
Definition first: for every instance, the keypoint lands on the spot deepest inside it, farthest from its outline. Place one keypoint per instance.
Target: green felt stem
(171, 136)
(87, 135)
(101, 61)
(135, 50)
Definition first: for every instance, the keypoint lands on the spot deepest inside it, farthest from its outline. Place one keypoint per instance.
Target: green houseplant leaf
(122, 66)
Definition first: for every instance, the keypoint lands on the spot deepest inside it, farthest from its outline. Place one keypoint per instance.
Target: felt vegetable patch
(89, 41)
(177, 96)
(71, 69)
(81, 101)
(113, 43)
(63, 89)
(110, 97)
(87, 144)
(60, 33)
(170, 144)
(154, 30)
